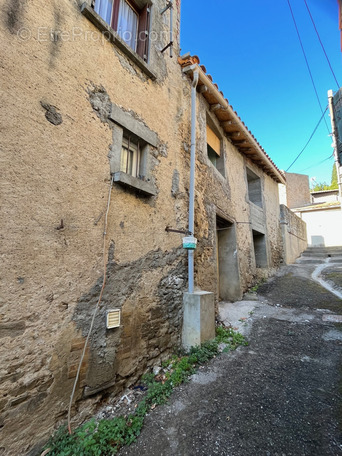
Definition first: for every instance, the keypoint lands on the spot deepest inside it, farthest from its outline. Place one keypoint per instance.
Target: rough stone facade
(61, 79)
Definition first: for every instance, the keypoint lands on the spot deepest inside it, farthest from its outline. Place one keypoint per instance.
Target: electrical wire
(319, 38)
(307, 62)
(316, 164)
(311, 136)
(96, 307)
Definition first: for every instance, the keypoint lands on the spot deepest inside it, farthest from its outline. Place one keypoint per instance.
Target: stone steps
(309, 261)
(319, 255)
(332, 253)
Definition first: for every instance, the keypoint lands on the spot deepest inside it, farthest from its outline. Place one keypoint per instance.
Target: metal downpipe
(192, 179)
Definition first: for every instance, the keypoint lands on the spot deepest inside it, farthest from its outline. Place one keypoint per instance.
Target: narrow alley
(281, 395)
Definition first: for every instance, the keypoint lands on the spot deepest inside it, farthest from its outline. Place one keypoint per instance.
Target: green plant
(255, 288)
(319, 186)
(96, 439)
(230, 337)
(104, 438)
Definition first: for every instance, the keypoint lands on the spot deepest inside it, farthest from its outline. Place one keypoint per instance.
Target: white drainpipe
(192, 180)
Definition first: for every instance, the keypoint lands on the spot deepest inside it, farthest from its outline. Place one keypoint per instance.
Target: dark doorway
(260, 251)
(229, 288)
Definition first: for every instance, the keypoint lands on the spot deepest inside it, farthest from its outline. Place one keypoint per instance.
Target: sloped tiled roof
(235, 129)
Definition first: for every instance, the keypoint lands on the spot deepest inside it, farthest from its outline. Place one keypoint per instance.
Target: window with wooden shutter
(143, 33)
(215, 147)
(213, 141)
(129, 21)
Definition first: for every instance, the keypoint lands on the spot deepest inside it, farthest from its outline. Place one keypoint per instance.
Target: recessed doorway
(260, 250)
(229, 288)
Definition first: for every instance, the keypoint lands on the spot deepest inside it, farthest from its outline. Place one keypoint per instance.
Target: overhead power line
(307, 62)
(311, 136)
(319, 38)
(319, 163)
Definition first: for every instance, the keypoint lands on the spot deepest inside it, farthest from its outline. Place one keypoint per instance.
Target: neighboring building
(80, 105)
(296, 192)
(324, 196)
(323, 223)
(321, 211)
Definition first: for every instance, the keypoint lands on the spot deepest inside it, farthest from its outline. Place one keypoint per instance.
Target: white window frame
(130, 156)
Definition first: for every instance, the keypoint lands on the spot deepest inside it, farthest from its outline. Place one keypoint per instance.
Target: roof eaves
(318, 207)
(335, 190)
(231, 123)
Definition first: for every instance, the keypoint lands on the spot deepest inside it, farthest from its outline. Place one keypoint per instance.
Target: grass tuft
(107, 436)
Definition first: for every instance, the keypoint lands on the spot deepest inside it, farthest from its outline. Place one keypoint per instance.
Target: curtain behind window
(104, 9)
(128, 24)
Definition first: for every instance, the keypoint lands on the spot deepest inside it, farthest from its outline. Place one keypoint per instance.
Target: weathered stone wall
(227, 196)
(272, 211)
(60, 79)
(294, 234)
(54, 151)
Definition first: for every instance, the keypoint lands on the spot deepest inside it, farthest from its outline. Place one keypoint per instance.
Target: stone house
(89, 111)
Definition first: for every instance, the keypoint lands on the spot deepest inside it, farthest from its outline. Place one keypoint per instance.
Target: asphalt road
(280, 396)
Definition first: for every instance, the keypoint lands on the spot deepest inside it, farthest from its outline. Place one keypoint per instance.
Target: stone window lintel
(135, 126)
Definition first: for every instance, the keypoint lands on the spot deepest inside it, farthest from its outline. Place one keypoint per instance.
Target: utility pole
(334, 142)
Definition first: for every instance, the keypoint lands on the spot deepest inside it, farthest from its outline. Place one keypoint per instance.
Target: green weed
(104, 438)
(256, 286)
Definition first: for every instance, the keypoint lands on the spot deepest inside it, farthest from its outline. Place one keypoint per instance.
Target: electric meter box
(189, 243)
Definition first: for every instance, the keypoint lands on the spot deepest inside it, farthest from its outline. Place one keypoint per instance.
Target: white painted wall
(324, 227)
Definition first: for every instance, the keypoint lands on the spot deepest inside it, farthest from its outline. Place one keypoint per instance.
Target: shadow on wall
(317, 241)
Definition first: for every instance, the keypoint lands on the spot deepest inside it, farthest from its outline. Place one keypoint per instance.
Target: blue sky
(252, 51)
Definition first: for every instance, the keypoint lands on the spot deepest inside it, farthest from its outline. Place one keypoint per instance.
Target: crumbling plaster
(60, 171)
(55, 190)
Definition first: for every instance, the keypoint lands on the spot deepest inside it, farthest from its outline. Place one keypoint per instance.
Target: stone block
(18, 400)
(12, 329)
(130, 123)
(77, 344)
(72, 370)
(198, 318)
